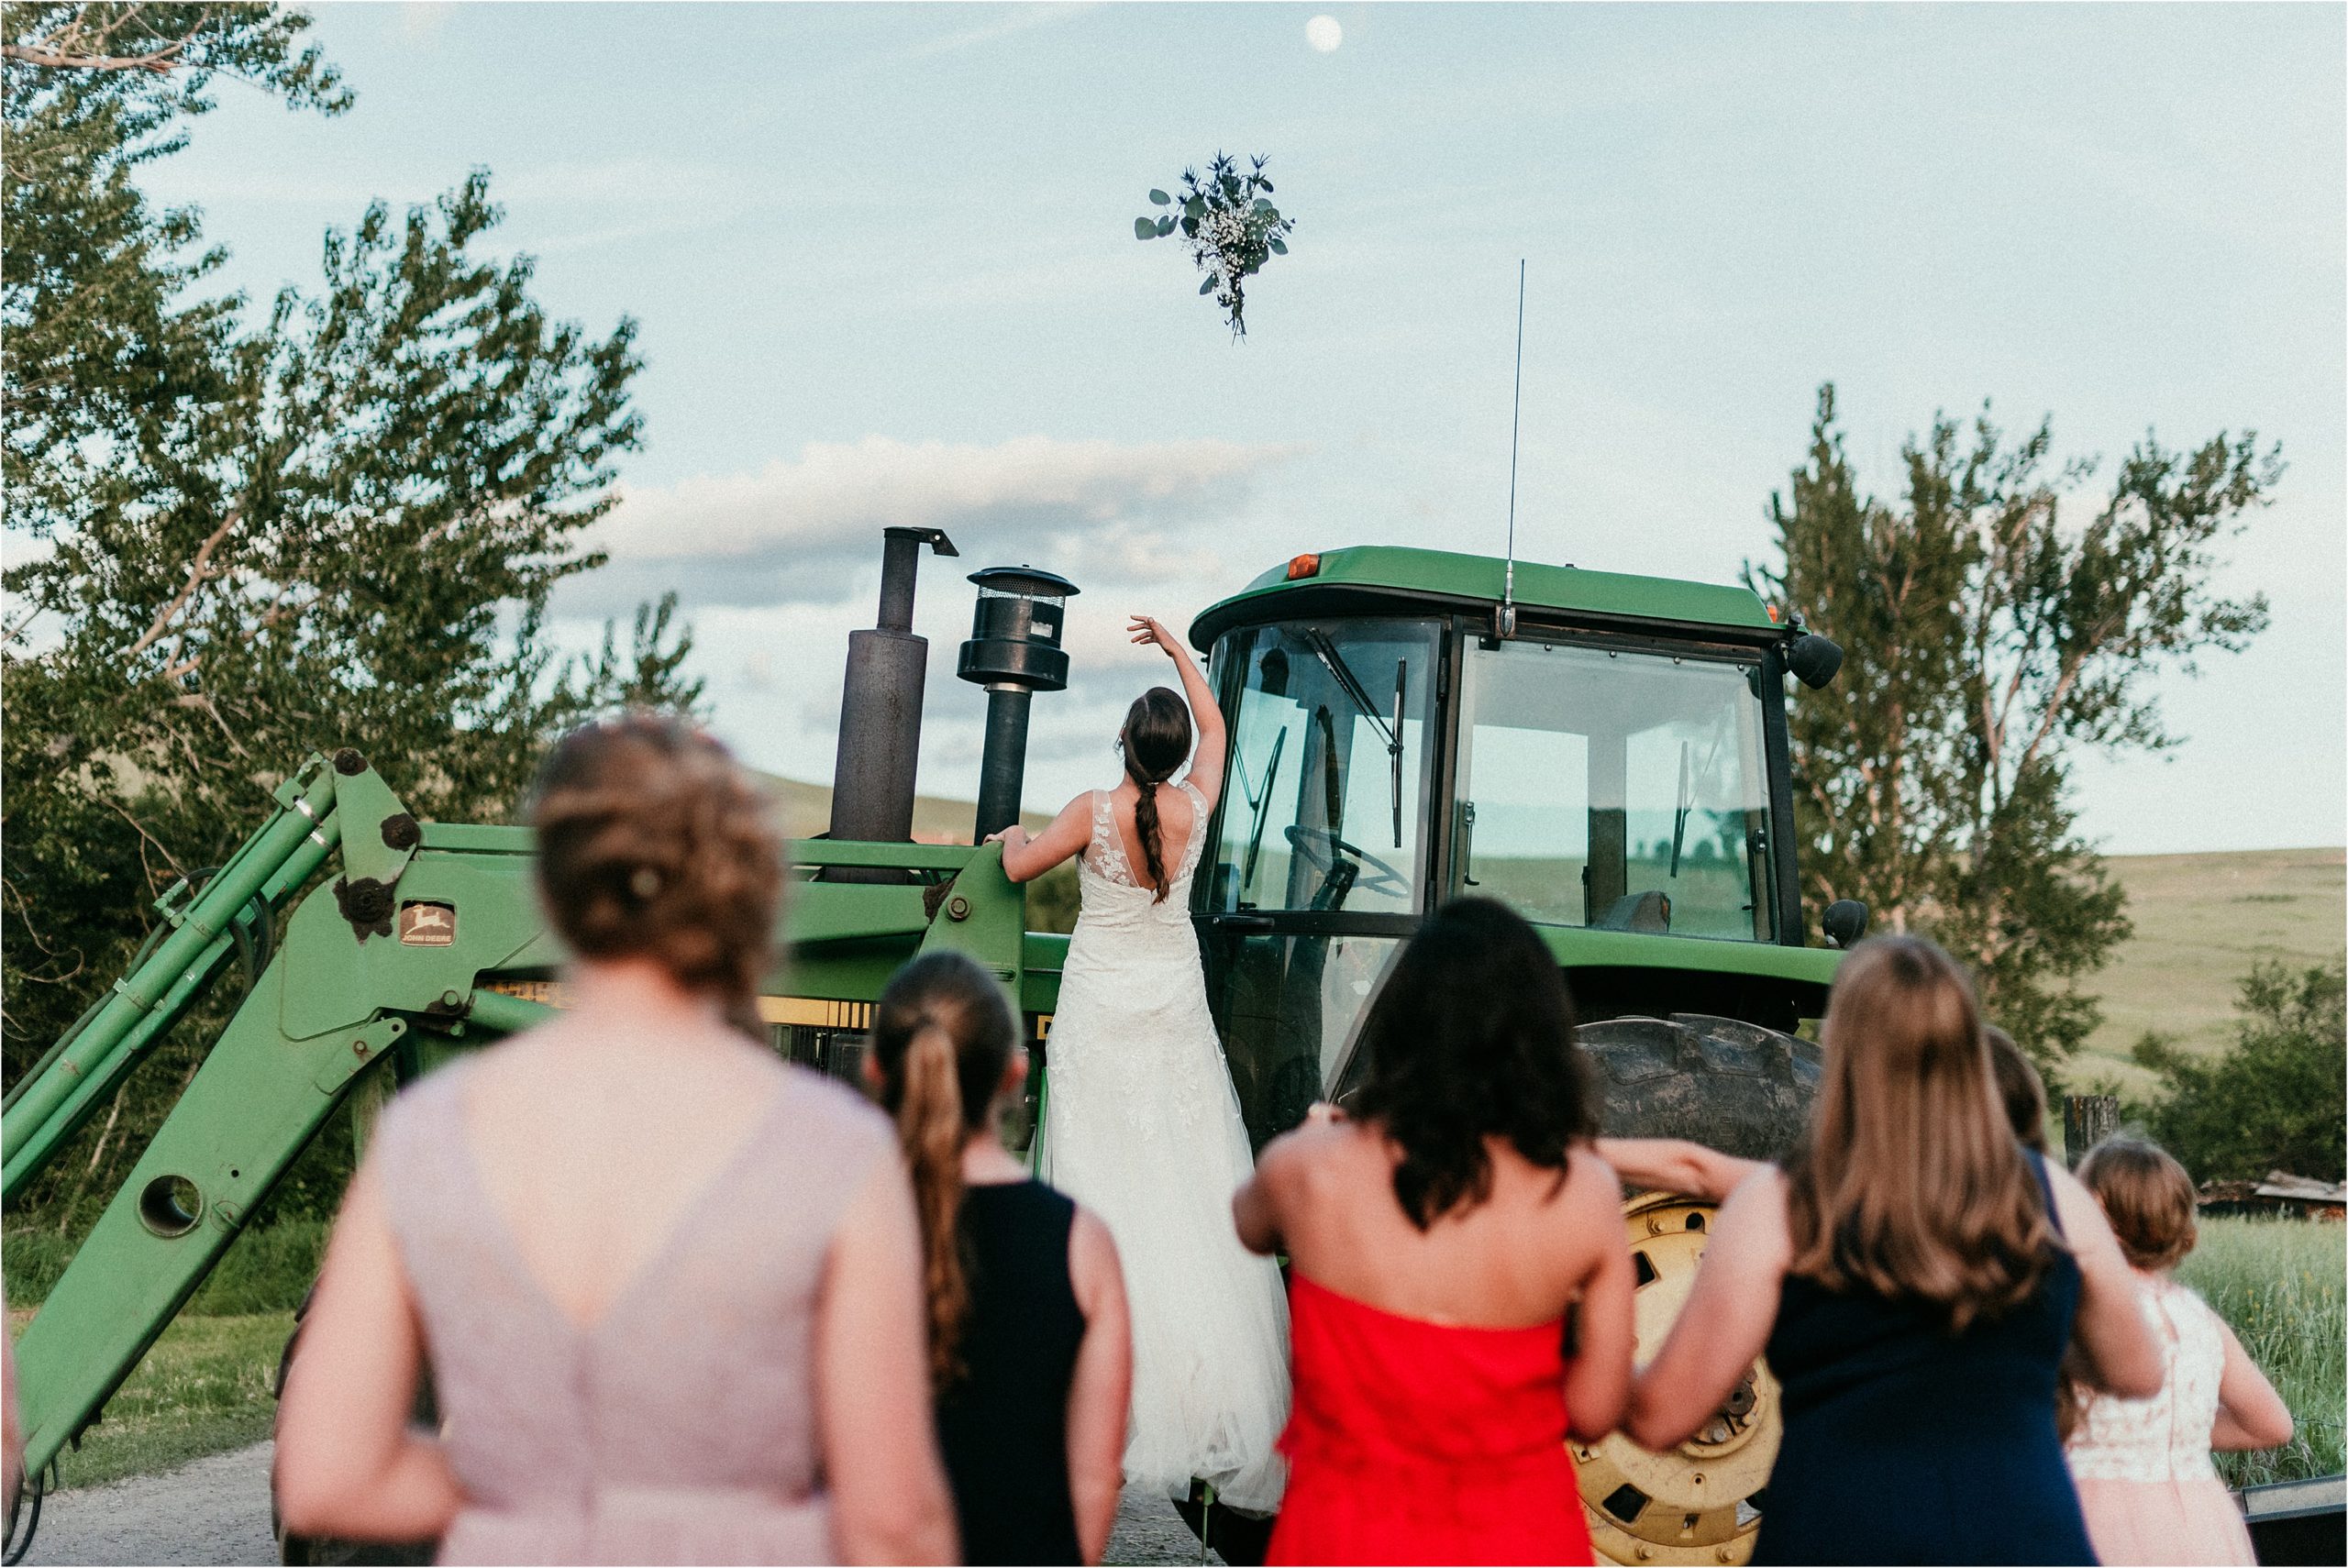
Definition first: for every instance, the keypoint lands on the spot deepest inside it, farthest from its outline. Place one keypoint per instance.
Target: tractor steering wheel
(1319, 849)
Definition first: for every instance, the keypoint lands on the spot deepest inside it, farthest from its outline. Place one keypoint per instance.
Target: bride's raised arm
(1206, 762)
(1025, 859)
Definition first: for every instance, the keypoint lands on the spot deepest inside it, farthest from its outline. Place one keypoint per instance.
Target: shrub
(2275, 1100)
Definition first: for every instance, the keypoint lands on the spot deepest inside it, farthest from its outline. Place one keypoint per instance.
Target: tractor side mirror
(1844, 922)
(1814, 660)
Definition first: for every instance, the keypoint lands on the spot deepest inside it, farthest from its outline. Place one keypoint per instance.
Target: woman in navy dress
(1915, 1275)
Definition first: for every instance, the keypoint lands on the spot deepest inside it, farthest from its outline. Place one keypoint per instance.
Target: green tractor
(1607, 754)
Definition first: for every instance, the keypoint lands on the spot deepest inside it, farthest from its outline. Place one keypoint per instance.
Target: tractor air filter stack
(1014, 652)
(872, 779)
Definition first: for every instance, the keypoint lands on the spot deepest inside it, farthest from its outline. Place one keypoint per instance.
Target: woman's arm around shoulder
(1598, 1378)
(1675, 1164)
(1025, 859)
(874, 1426)
(2122, 1355)
(1098, 1394)
(347, 1464)
(2250, 1413)
(1725, 1323)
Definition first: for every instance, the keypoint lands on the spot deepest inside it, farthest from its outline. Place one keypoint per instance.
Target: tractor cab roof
(1370, 579)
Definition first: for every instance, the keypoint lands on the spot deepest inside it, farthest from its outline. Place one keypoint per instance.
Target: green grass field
(2279, 1283)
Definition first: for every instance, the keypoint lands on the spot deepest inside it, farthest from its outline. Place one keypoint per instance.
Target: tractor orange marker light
(1303, 566)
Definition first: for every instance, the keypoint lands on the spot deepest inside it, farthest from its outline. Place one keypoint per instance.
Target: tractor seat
(1649, 912)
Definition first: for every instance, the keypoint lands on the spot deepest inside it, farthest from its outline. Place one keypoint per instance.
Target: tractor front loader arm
(376, 966)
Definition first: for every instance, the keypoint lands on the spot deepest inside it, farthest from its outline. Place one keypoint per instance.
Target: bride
(1140, 1123)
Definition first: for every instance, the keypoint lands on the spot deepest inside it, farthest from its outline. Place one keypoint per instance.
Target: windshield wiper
(1358, 695)
(1259, 805)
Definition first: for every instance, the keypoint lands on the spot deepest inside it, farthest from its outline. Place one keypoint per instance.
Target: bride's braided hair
(1156, 740)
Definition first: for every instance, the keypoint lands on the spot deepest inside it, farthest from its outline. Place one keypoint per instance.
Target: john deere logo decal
(428, 925)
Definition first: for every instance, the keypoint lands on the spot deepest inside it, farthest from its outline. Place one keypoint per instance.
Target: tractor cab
(1614, 768)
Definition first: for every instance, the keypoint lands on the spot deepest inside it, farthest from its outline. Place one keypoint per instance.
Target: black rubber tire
(1722, 1082)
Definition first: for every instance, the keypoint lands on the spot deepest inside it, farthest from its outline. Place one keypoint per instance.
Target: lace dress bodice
(2166, 1437)
(1113, 896)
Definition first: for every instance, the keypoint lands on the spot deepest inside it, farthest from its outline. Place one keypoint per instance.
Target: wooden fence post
(2088, 1120)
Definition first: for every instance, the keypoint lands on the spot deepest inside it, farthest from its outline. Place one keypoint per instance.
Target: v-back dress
(681, 1427)
(1142, 1126)
(1907, 1443)
(1415, 1441)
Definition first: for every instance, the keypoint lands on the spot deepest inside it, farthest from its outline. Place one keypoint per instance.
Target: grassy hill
(2202, 921)
(805, 811)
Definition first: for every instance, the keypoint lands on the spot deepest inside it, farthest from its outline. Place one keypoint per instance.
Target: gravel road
(216, 1511)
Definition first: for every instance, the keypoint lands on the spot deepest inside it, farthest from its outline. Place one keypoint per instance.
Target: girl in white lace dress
(2142, 1467)
(1140, 1123)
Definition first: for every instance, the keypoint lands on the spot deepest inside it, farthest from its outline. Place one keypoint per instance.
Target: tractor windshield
(1323, 787)
(1617, 789)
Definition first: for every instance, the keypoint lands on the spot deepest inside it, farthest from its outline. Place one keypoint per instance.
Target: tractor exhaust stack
(1014, 652)
(872, 778)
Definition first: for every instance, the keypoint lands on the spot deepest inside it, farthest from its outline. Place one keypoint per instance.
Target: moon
(1323, 34)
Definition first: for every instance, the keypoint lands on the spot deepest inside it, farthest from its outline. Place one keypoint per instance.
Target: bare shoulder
(1591, 1183)
(1092, 1263)
(1315, 1150)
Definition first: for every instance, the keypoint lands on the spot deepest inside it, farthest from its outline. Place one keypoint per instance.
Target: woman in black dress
(1029, 1350)
(1915, 1275)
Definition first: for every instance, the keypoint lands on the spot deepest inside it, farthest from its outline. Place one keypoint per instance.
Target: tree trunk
(2088, 1120)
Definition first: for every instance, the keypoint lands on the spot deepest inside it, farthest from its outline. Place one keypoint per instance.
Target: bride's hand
(1148, 629)
(1002, 835)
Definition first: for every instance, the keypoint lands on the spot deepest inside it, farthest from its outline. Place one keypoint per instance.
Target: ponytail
(930, 1130)
(941, 1039)
(1157, 738)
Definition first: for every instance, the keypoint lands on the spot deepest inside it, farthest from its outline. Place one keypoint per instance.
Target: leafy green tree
(244, 535)
(2277, 1099)
(1990, 640)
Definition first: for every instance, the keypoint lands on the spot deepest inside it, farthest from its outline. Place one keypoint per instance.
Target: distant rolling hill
(2202, 921)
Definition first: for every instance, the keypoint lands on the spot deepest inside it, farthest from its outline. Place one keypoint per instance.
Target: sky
(883, 265)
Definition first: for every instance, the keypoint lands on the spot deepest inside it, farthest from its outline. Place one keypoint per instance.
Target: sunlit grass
(2279, 1283)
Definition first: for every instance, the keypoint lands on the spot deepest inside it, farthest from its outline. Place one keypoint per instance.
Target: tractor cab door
(1319, 865)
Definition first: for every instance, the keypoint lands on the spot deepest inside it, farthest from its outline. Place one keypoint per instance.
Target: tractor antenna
(1506, 627)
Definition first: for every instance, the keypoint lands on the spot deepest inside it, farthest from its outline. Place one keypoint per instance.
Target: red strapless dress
(1412, 1442)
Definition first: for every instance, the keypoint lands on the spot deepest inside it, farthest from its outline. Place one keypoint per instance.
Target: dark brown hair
(1156, 740)
(1910, 1182)
(653, 843)
(2147, 1197)
(2019, 1085)
(1472, 1037)
(941, 1038)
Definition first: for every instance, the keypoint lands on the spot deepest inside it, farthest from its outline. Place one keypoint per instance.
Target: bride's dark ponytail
(942, 1038)
(1156, 741)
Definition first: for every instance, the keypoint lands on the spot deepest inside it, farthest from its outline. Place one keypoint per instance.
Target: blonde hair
(2147, 1196)
(941, 1039)
(1910, 1182)
(653, 842)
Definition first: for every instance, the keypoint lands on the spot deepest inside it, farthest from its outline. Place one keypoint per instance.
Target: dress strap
(1198, 827)
(2047, 1190)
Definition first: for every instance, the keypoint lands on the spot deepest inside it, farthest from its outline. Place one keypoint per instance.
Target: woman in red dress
(1437, 1237)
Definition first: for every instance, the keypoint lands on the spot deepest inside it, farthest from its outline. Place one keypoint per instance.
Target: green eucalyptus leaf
(1208, 287)
(1195, 208)
(1158, 198)
(1165, 226)
(1278, 249)
(1144, 229)
(1266, 184)
(1190, 228)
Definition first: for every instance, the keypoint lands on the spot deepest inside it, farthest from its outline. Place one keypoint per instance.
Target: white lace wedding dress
(1141, 1125)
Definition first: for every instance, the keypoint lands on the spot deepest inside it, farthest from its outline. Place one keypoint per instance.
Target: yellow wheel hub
(1693, 1504)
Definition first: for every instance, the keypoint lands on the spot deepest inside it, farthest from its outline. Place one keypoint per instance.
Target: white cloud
(802, 530)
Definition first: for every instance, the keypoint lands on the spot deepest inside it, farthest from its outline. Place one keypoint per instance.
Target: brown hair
(941, 1039)
(1910, 1182)
(2020, 1087)
(1156, 739)
(2147, 1197)
(653, 843)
